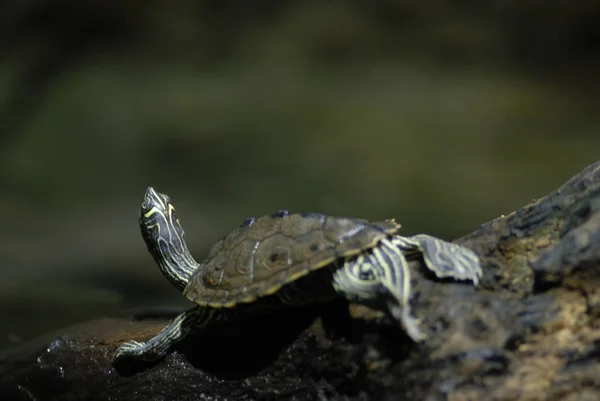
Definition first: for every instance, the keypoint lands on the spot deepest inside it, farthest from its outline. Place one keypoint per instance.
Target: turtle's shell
(263, 254)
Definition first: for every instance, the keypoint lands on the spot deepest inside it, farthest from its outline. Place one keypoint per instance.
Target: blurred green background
(442, 114)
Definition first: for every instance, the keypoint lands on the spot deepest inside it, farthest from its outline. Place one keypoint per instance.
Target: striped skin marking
(151, 212)
(386, 267)
(164, 236)
(381, 271)
(181, 272)
(363, 278)
(159, 345)
(152, 197)
(394, 272)
(444, 259)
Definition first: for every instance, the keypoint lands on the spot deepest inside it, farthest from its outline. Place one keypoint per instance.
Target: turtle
(288, 259)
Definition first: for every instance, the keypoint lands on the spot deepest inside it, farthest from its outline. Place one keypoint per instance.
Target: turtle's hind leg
(445, 259)
(158, 346)
(380, 277)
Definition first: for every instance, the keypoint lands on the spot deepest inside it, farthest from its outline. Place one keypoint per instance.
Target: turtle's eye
(144, 205)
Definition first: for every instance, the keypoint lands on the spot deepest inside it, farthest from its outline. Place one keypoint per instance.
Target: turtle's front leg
(158, 346)
(380, 278)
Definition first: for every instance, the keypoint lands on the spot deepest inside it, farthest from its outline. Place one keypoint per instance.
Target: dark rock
(531, 331)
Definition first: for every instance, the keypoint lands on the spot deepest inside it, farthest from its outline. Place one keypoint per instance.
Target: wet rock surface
(530, 331)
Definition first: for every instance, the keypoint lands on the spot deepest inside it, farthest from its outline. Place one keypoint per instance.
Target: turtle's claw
(129, 349)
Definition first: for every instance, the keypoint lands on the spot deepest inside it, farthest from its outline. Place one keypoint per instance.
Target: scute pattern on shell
(262, 255)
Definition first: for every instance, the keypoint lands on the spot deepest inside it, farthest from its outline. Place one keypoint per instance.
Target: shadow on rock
(239, 349)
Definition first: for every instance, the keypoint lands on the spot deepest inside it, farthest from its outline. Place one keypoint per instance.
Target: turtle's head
(164, 238)
(158, 220)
